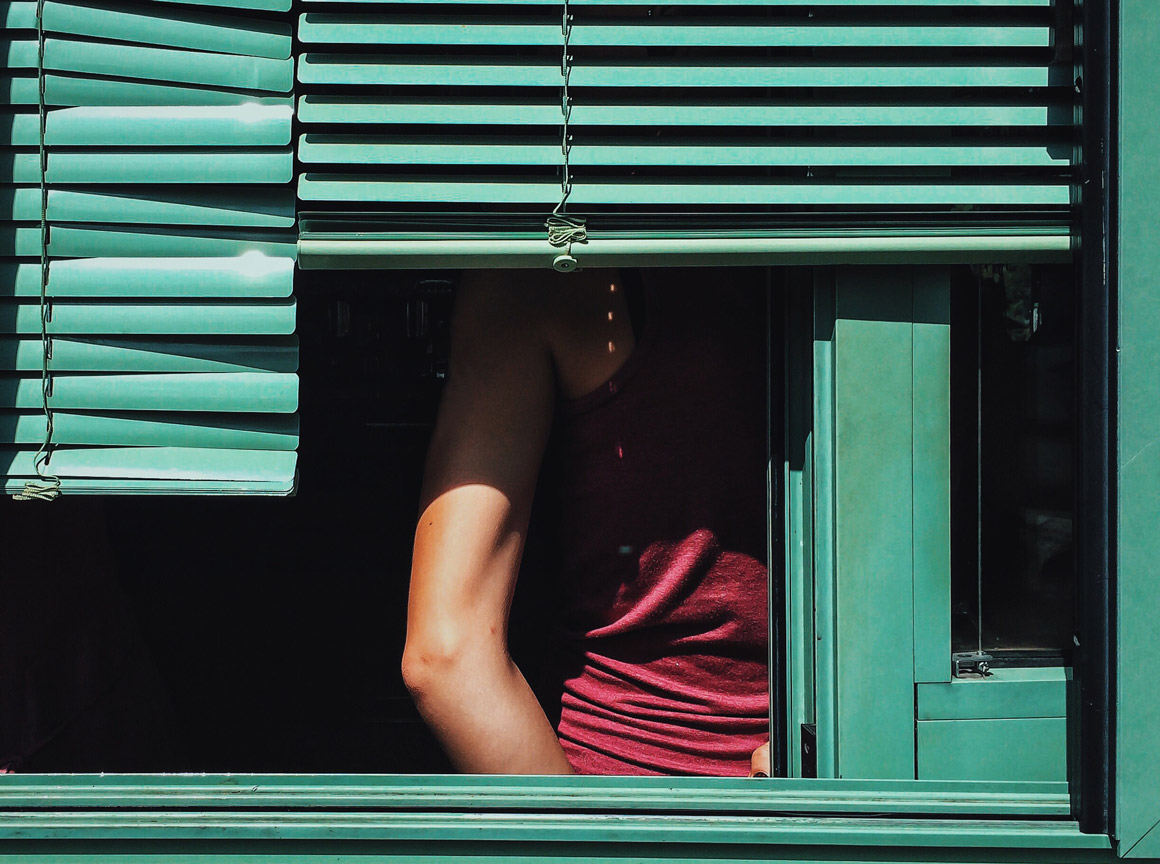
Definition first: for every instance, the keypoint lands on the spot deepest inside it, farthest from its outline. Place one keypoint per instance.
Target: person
(646, 404)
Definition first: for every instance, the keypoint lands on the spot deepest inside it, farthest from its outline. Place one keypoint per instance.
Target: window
(1021, 210)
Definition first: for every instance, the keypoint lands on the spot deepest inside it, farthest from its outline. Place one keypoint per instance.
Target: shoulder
(525, 308)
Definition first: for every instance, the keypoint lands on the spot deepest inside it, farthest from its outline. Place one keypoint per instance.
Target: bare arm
(481, 476)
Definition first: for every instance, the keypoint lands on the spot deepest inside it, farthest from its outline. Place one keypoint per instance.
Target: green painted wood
(240, 392)
(140, 354)
(1137, 458)
(1012, 749)
(170, 64)
(873, 522)
(825, 646)
(274, 317)
(362, 68)
(510, 794)
(347, 110)
(624, 830)
(931, 338)
(340, 28)
(798, 507)
(1006, 693)
(248, 432)
(869, 245)
(331, 187)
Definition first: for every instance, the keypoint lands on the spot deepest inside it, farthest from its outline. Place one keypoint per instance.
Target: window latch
(971, 664)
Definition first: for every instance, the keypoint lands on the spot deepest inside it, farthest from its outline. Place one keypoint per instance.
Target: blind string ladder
(47, 486)
(564, 230)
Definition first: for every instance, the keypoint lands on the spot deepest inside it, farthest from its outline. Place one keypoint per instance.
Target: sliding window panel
(159, 333)
(425, 122)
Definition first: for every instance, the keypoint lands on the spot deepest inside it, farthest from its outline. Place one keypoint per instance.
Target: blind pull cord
(564, 230)
(47, 486)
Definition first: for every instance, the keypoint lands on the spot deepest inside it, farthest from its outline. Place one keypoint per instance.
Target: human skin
(519, 341)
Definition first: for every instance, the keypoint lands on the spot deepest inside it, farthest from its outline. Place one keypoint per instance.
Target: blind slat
(117, 317)
(245, 392)
(314, 68)
(153, 25)
(167, 64)
(334, 28)
(158, 470)
(547, 112)
(367, 150)
(140, 354)
(242, 432)
(259, 207)
(594, 192)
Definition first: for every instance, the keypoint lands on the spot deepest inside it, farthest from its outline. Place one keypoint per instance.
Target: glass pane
(1013, 368)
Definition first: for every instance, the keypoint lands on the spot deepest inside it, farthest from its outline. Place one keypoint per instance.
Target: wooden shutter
(171, 244)
(437, 128)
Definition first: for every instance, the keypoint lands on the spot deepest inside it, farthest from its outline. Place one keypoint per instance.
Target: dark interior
(264, 635)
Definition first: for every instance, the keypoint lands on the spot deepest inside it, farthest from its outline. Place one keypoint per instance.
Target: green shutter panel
(437, 129)
(171, 247)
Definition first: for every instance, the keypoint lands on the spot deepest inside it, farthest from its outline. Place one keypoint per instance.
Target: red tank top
(662, 506)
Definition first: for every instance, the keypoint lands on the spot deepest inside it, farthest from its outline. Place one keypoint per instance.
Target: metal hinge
(973, 663)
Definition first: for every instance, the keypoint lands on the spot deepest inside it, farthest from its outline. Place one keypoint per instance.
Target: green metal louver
(429, 127)
(171, 247)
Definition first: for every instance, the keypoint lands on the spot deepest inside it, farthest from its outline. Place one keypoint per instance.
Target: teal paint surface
(1005, 693)
(319, 68)
(141, 354)
(332, 187)
(1010, 749)
(161, 25)
(74, 90)
(799, 590)
(931, 465)
(873, 522)
(350, 109)
(484, 829)
(169, 64)
(516, 794)
(825, 649)
(171, 126)
(260, 432)
(1137, 770)
(193, 391)
(381, 150)
(126, 318)
(410, 30)
(145, 241)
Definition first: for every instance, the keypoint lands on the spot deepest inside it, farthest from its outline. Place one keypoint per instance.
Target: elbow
(431, 665)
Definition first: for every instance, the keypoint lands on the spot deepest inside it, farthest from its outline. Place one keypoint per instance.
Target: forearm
(484, 714)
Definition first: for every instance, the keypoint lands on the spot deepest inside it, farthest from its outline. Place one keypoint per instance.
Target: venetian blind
(451, 129)
(168, 305)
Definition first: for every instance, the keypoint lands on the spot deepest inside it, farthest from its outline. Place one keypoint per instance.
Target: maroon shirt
(662, 506)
